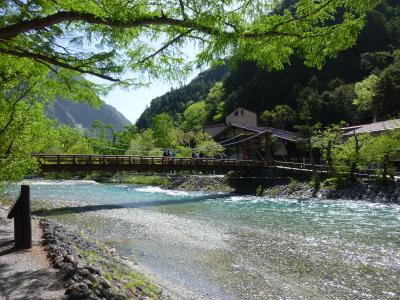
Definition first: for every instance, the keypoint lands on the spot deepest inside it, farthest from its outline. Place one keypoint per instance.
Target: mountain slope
(81, 115)
(328, 93)
(175, 101)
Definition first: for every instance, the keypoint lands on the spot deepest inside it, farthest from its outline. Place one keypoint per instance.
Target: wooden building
(375, 128)
(372, 128)
(242, 138)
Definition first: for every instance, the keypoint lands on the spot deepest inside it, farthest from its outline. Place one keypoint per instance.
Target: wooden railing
(80, 162)
(367, 172)
(300, 166)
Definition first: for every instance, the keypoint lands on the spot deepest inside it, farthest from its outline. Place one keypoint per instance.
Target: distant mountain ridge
(81, 115)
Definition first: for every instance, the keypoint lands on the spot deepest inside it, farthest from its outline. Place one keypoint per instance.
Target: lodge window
(236, 113)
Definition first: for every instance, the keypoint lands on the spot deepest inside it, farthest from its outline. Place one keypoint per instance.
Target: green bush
(293, 184)
(260, 190)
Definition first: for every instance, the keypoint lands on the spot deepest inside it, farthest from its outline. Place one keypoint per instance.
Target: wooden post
(21, 212)
(244, 145)
(268, 149)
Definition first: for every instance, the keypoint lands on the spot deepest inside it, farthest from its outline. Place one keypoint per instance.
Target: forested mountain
(327, 96)
(175, 101)
(81, 115)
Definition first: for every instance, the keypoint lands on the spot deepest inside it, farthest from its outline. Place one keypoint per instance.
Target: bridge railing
(300, 166)
(366, 172)
(82, 159)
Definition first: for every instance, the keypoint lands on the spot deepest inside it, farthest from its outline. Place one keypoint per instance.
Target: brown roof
(372, 127)
(281, 134)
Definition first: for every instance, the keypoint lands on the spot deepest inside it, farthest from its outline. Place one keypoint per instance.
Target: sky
(131, 103)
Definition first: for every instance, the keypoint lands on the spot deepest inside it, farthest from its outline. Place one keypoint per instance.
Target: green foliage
(366, 91)
(195, 116)
(329, 184)
(380, 152)
(315, 184)
(108, 38)
(327, 94)
(293, 184)
(26, 87)
(68, 140)
(279, 116)
(338, 181)
(326, 139)
(260, 190)
(215, 102)
(144, 144)
(176, 101)
(209, 148)
(346, 156)
(164, 132)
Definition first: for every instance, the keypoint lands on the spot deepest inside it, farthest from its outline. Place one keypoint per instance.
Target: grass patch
(293, 184)
(366, 268)
(260, 190)
(272, 192)
(146, 180)
(301, 268)
(6, 202)
(91, 256)
(133, 282)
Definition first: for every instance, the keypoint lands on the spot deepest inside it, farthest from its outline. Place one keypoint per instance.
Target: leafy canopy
(106, 38)
(26, 87)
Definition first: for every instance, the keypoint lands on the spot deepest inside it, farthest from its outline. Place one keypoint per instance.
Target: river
(219, 246)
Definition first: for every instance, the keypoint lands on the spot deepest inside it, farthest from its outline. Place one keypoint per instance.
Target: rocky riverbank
(91, 270)
(211, 184)
(366, 191)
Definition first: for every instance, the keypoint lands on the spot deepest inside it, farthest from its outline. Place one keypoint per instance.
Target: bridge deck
(76, 163)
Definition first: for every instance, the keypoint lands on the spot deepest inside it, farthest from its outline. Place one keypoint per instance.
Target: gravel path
(25, 274)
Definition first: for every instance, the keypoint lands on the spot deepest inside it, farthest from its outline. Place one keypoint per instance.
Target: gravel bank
(212, 184)
(91, 270)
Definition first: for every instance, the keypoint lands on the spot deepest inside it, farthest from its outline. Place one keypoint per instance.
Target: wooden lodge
(242, 138)
(372, 128)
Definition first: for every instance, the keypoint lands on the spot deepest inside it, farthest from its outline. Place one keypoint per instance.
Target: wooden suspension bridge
(159, 164)
(114, 163)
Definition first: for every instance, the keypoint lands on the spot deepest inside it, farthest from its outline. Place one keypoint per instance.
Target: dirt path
(25, 274)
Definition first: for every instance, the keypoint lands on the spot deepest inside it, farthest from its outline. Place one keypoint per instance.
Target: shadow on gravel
(25, 284)
(142, 204)
(6, 244)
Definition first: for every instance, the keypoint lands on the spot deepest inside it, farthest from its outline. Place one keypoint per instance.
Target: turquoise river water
(201, 246)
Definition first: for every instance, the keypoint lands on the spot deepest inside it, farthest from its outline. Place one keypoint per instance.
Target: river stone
(78, 291)
(84, 272)
(93, 278)
(69, 258)
(105, 283)
(92, 269)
